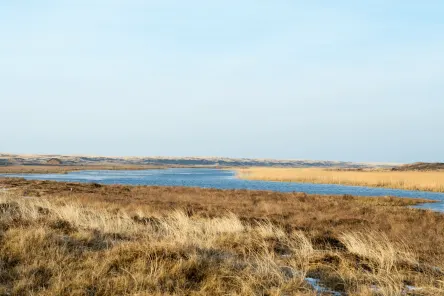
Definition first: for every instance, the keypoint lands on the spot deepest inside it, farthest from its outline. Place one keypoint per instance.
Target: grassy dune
(89, 239)
(410, 180)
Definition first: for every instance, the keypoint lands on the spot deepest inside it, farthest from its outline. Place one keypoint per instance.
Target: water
(224, 179)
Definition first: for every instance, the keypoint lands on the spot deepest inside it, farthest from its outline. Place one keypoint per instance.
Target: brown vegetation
(91, 239)
(54, 161)
(421, 166)
(408, 180)
(61, 169)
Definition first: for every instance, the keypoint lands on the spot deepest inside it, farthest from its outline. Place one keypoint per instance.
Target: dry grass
(88, 239)
(106, 253)
(62, 169)
(409, 180)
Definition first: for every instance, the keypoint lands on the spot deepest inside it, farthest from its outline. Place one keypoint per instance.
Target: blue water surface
(225, 179)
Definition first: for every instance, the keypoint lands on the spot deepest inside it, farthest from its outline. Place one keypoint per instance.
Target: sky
(286, 79)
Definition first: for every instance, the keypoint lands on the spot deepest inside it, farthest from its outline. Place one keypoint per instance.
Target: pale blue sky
(333, 80)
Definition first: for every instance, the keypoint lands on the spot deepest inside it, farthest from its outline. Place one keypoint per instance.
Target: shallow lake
(225, 179)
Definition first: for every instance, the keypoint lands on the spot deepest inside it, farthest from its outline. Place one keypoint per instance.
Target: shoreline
(407, 202)
(63, 169)
(243, 173)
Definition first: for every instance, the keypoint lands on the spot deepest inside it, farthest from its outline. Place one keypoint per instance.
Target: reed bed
(408, 180)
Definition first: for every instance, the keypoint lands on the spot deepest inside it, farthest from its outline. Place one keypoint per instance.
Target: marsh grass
(408, 180)
(86, 239)
(64, 169)
(69, 248)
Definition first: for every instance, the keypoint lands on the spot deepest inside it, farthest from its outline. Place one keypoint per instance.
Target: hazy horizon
(345, 81)
(186, 156)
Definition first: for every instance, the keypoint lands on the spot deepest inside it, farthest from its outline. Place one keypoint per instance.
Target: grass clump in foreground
(88, 239)
(408, 180)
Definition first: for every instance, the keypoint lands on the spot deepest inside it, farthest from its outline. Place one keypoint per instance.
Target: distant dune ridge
(421, 166)
(34, 159)
(54, 161)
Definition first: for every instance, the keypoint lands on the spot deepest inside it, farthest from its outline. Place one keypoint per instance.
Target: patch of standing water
(225, 179)
(405, 290)
(320, 290)
(438, 207)
(314, 283)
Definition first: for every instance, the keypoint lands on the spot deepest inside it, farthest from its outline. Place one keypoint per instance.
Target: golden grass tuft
(377, 248)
